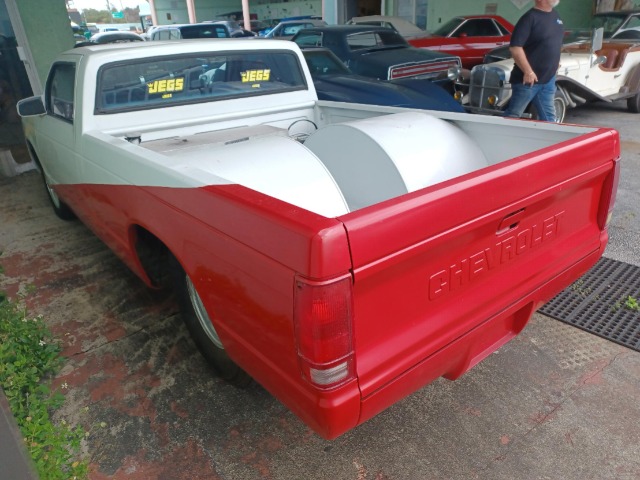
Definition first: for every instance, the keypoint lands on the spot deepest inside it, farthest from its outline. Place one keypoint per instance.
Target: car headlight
(453, 73)
(493, 100)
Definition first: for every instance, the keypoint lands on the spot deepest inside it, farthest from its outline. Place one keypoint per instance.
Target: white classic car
(588, 72)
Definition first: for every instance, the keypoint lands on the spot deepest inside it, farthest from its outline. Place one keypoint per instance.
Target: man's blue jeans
(540, 94)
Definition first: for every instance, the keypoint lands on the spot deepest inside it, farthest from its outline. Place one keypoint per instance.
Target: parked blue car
(334, 81)
(382, 53)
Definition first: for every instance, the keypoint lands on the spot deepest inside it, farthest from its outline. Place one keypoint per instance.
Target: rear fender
(574, 89)
(563, 93)
(632, 84)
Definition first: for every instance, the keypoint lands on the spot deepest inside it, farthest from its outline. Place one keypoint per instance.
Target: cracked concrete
(556, 402)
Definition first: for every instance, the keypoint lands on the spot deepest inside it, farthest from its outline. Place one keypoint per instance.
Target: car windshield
(186, 79)
(610, 23)
(324, 63)
(375, 40)
(204, 31)
(448, 27)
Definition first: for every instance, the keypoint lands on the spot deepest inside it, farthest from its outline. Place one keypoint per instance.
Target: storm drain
(604, 301)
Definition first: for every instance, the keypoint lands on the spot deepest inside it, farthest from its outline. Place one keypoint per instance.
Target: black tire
(202, 330)
(633, 103)
(60, 208)
(558, 102)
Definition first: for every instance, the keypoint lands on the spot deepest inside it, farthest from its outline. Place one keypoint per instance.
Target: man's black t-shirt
(540, 34)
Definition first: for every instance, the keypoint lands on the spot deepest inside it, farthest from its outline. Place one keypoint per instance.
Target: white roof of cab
(117, 51)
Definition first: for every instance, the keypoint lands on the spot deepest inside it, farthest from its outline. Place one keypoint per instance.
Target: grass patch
(29, 359)
(631, 303)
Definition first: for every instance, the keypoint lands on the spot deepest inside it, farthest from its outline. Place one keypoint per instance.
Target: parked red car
(469, 37)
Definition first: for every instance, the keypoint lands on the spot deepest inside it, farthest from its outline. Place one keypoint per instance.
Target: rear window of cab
(178, 80)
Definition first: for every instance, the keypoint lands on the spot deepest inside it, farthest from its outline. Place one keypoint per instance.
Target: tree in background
(91, 15)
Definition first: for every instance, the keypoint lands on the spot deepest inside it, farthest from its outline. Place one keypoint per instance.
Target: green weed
(632, 303)
(29, 359)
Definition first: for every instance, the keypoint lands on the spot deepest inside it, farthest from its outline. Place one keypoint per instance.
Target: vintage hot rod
(588, 71)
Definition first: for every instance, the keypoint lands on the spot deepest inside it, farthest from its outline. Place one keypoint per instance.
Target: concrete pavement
(555, 403)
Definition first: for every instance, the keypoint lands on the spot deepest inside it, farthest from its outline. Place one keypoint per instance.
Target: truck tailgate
(435, 264)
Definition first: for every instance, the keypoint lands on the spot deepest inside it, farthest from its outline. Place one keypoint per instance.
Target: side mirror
(601, 59)
(31, 106)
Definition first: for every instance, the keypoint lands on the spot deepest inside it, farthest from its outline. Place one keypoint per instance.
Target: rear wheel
(633, 103)
(558, 102)
(203, 332)
(561, 107)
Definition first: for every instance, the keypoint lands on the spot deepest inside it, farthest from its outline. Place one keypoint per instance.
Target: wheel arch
(576, 93)
(633, 80)
(562, 91)
(153, 256)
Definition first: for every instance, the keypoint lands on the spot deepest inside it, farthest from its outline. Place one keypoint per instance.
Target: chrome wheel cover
(202, 315)
(52, 195)
(560, 107)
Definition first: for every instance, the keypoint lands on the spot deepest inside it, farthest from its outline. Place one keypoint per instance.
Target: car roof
(467, 17)
(401, 24)
(113, 51)
(366, 18)
(182, 25)
(119, 33)
(349, 28)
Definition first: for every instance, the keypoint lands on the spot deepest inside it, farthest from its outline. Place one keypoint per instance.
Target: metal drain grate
(596, 303)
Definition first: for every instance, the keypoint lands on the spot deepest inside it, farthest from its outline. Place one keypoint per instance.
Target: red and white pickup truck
(342, 255)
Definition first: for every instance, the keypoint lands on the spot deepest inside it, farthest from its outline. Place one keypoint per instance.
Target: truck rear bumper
(462, 354)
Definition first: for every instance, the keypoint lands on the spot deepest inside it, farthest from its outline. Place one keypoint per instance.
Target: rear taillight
(608, 197)
(323, 324)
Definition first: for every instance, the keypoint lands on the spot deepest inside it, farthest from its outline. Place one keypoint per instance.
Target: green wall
(48, 31)
(574, 13)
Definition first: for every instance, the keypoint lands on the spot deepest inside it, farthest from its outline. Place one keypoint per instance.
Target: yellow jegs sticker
(166, 86)
(261, 75)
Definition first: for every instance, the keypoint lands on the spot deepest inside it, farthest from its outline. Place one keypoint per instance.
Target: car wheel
(633, 103)
(561, 107)
(60, 208)
(558, 102)
(203, 332)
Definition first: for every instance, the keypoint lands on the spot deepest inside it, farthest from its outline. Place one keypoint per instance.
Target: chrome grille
(434, 69)
(484, 82)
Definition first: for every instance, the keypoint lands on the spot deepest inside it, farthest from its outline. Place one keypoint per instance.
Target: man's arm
(520, 58)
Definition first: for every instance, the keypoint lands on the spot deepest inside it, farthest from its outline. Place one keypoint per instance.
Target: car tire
(561, 106)
(633, 103)
(60, 208)
(202, 331)
(558, 102)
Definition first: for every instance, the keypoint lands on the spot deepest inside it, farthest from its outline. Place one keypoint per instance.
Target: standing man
(535, 47)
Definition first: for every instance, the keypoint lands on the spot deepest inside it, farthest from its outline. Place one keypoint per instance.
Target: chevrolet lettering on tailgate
(473, 267)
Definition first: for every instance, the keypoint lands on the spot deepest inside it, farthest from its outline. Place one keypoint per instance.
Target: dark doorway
(14, 85)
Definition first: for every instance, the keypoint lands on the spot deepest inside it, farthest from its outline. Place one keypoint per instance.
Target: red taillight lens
(608, 197)
(324, 334)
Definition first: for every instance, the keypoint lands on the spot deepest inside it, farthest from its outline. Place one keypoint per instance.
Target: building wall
(575, 13)
(48, 31)
(286, 9)
(171, 11)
